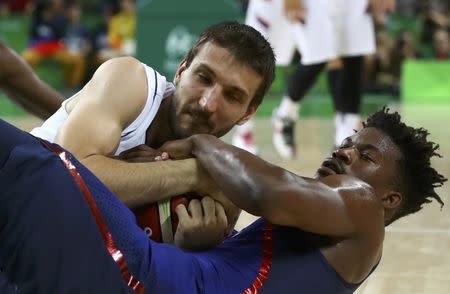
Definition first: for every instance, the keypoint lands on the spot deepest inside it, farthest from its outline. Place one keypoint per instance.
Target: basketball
(159, 220)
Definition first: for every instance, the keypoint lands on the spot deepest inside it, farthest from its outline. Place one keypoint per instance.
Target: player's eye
(203, 78)
(365, 156)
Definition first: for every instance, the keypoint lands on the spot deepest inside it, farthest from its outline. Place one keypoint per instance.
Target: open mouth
(331, 166)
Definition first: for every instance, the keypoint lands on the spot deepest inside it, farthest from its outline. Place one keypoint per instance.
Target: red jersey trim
(113, 250)
(266, 263)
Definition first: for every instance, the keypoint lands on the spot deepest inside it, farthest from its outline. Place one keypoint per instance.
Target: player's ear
(251, 110)
(392, 200)
(181, 68)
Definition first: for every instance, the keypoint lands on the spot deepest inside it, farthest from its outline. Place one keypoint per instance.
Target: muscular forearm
(140, 183)
(282, 197)
(249, 182)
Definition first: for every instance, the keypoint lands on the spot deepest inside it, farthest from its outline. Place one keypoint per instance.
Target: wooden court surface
(416, 257)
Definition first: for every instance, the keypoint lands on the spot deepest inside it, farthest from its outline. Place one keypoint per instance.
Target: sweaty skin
(100, 111)
(350, 200)
(127, 103)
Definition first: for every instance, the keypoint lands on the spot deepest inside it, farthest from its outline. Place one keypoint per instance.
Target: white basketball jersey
(133, 135)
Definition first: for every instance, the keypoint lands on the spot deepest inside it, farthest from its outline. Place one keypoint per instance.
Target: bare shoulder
(125, 69)
(119, 84)
(351, 186)
(355, 256)
(360, 200)
(126, 62)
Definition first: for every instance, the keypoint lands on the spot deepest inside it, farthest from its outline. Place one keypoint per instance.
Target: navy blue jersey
(49, 239)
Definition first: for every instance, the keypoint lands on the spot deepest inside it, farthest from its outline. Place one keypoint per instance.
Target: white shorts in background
(267, 16)
(330, 31)
(333, 28)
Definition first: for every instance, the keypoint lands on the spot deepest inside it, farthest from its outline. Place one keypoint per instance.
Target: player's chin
(317, 176)
(193, 129)
(320, 174)
(183, 131)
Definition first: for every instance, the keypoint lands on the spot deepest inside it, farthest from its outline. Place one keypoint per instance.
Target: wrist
(181, 176)
(196, 177)
(194, 140)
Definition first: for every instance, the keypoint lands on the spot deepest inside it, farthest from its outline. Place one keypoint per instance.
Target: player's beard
(197, 115)
(177, 131)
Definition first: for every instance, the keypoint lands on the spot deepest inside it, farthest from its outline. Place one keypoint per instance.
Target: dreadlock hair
(417, 179)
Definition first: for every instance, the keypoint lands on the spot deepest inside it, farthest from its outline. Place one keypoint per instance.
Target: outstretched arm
(333, 206)
(24, 87)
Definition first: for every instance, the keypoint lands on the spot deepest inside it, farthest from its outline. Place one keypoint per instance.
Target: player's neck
(159, 130)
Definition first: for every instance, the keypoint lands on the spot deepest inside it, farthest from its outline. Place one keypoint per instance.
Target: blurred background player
(345, 29)
(269, 18)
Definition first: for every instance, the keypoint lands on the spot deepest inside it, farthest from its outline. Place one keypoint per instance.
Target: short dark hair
(417, 179)
(247, 45)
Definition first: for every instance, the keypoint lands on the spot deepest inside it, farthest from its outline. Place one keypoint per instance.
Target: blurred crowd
(417, 29)
(58, 31)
